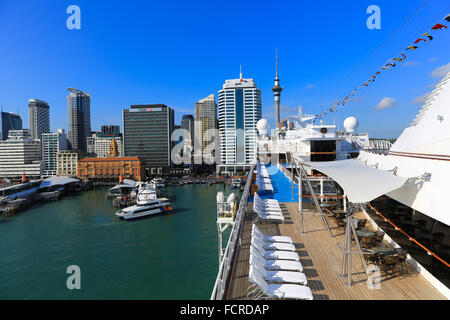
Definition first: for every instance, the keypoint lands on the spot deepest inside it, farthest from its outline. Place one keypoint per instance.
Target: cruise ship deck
(322, 262)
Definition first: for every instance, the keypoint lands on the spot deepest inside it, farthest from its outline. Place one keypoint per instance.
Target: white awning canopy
(361, 183)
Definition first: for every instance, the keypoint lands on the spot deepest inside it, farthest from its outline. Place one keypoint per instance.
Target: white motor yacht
(145, 207)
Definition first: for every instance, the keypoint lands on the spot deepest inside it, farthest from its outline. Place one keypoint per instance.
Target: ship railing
(225, 268)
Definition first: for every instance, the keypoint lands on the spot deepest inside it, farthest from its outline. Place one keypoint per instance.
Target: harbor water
(171, 256)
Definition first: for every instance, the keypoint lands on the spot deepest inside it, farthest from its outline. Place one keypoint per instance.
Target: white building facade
(20, 154)
(239, 111)
(52, 143)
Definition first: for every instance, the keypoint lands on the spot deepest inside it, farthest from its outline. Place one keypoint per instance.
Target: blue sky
(177, 52)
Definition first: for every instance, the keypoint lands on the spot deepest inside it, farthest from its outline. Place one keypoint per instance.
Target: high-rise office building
(205, 119)
(9, 121)
(239, 111)
(79, 119)
(52, 143)
(39, 117)
(109, 129)
(20, 154)
(187, 123)
(147, 133)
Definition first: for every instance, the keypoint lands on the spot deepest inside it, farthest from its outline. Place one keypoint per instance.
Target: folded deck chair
(281, 246)
(269, 218)
(285, 239)
(281, 291)
(275, 264)
(276, 254)
(280, 276)
(264, 209)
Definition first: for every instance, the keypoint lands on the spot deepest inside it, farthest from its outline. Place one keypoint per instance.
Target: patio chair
(379, 236)
(401, 259)
(362, 223)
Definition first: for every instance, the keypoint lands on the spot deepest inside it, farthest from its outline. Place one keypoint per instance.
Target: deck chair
(257, 231)
(275, 264)
(278, 291)
(280, 276)
(281, 246)
(276, 254)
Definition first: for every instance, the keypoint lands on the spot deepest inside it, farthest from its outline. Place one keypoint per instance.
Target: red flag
(438, 26)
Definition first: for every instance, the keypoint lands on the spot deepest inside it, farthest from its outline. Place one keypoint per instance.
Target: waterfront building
(239, 111)
(9, 121)
(205, 119)
(20, 154)
(67, 162)
(52, 143)
(98, 144)
(79, 119)
(39, 118)
(111, 167)
(147, 133)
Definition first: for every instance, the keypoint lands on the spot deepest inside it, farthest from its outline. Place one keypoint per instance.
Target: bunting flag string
(388, 66)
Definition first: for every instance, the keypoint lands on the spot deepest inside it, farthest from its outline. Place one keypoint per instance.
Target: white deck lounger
(265, 238)
(258, 207)
(281, 246)
(280, 276)
(281, 291)
(271, 201)
(276, 254)
(275, 264)
(261, 216)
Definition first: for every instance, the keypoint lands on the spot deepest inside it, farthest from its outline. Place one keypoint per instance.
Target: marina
(145, 259)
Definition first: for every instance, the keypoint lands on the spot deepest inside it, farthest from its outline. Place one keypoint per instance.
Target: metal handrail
(224, 268)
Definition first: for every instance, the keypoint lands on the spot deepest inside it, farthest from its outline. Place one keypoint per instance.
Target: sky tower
(277, 91)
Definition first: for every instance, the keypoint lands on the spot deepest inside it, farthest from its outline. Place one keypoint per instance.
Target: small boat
(158, 183)
(235, 183)
(151, 207)
(147, 204)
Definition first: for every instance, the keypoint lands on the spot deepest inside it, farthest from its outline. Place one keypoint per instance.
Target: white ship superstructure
(316, 140)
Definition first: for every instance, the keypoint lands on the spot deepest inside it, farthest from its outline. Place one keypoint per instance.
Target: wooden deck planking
(322, 264)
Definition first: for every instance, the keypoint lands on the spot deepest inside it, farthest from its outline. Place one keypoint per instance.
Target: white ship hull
(140, 211)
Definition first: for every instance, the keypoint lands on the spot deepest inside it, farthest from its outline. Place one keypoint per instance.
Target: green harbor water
(162, 257)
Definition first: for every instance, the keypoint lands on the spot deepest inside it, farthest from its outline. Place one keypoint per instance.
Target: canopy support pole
(347, 252)
(313, 194)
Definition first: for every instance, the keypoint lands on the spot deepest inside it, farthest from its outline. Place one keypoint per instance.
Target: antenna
(240, 72)
(276, 63)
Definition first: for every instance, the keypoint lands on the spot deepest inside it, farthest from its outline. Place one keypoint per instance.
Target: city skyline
(318, 62)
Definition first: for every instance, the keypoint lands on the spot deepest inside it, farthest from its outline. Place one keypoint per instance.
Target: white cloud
(441, 71)
(421, 99)
(310, 86)
(432, 59)
(386, 103)
(410, 63)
